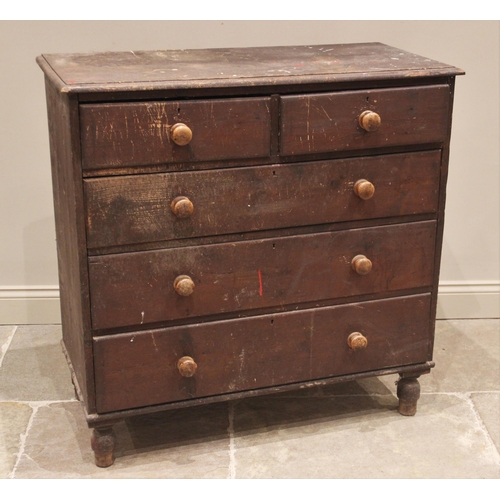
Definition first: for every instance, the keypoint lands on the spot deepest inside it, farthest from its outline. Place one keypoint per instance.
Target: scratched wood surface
(329, 121)
(235, 67)
(137, 288)
(125, 210)
(138, 133)
(276, 148)
(139, 369)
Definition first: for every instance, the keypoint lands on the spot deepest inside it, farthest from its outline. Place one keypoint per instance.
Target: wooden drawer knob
(369, 121)
(182, 207)
(361, 264)
(364, 189)
(186, 366)
(181, 134)
(357, 341)
(184, 285)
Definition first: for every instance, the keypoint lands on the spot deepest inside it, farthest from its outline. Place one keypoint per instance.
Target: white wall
(470, 275)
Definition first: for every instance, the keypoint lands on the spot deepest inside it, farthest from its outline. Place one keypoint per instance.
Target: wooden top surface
(236, 67)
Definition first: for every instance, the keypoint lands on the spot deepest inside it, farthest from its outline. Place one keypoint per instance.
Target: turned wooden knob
(186, 366)
(357, 341)
(181, 134)
(184, 285)
(364, 189)
(182, 207)
(369, 121)
(361, 264)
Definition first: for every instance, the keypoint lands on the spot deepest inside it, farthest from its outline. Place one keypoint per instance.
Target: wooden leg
(408, 393)
(103, 443)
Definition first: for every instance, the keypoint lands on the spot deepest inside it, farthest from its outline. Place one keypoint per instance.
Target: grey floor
(350, 430)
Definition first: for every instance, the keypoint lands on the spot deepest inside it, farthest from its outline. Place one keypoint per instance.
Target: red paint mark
(71, 81)
(260, 282)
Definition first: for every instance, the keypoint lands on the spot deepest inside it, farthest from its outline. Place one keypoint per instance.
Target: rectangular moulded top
(235, 67)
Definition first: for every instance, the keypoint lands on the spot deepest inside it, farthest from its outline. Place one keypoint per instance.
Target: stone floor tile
(360, 437)
(488, 407)
(190, 443)
(467, 356)
(350, 429)
(6, 332)
(34, 367)
(14, 418)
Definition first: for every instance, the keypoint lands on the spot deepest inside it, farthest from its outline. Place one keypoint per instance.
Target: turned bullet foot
(408, 393)
(103, 443)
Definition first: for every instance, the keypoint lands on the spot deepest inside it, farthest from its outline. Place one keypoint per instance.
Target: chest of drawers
(235, 222)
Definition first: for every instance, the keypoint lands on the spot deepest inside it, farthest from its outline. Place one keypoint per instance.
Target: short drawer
(131, 134)
(141, 369)
(316, 123)
(135, 209)
(146, 287)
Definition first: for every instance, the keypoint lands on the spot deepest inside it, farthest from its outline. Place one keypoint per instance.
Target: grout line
(493, 391)
(23, 438)
(482, 426)
(460, 394)
(6, 346)
(35, 406)
(39, 403)
(232, 450)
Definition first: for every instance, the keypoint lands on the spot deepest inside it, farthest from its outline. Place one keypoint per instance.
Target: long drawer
(143, 287)
(143, 208)
(316, 123)
(140, 369)
(130, 134)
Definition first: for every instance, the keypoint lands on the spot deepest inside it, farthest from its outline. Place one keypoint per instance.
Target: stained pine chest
(235, 222)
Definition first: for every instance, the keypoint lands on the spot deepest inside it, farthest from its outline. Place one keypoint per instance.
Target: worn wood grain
(257, 274)
(314, 123)
(127, 134)
(288, 236)
(137, 209)
(140, 369)
(111, 418)
(236, 67)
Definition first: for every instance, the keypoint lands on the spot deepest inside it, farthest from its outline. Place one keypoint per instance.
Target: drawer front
(138, 209)
(317, 123)
(138, 288)
(131, 134)
(140, 369)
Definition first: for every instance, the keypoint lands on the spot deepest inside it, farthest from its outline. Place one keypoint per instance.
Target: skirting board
(456, 300)
(30, 305)
(468, 300)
